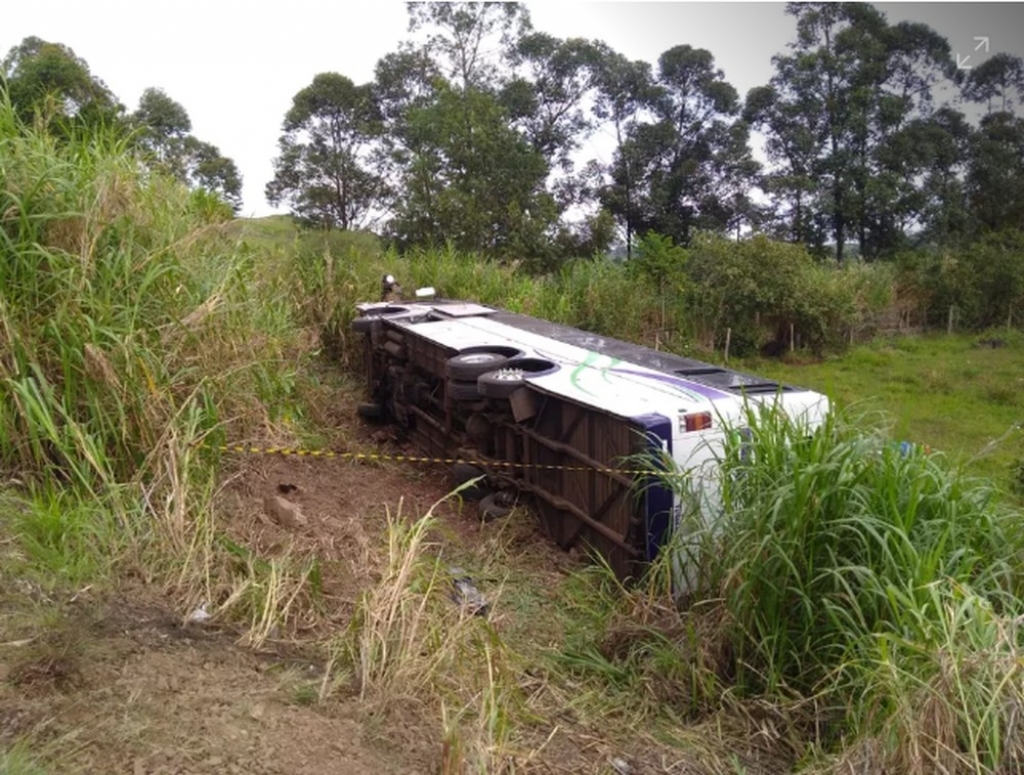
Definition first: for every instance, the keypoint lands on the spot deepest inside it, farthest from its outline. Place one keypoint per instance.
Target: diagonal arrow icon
(984, 42)
(961, 64)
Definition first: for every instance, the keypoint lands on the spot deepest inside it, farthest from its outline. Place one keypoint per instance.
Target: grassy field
(948, 392)
(162, 611)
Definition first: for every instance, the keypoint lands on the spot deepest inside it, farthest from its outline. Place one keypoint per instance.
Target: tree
(463, 38)
(792, 148)
(49, 81)
(933, 153)
(162, 131)
(691, 167)
(472, 180)
(995, 175)
(1001, 77)
(207, 168)
(546, 98)
(625, 89)
(840, 113)
(324, 169)
(161, 126)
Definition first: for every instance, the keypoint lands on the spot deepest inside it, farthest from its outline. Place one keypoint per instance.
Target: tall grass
(338, 271)
(876, 579)
(135, 334)
(411, 642)
(862, 595)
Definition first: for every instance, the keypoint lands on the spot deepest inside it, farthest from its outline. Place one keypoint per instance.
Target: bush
(983, 281)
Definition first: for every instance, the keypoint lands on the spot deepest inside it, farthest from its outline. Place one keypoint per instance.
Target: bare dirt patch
(120, 683)
(152, 696)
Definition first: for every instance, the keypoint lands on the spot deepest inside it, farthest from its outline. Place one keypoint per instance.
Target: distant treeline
(471, 136)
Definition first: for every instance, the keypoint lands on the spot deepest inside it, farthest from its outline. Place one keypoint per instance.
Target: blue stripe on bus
(657, 499)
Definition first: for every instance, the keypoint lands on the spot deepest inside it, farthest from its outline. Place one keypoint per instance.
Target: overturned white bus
(551, 412)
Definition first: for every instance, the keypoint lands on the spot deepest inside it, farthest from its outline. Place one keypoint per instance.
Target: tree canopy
(324, 168)
(475, 132)
(163, 132)
(48, 84)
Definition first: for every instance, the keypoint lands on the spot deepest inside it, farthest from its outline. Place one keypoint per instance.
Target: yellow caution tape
(380, 457)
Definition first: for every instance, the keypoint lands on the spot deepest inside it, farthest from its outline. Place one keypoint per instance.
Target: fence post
(949, 325)
(728, 338)
(792, 338)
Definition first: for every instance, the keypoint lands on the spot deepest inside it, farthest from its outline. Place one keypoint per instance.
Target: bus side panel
(573, 450)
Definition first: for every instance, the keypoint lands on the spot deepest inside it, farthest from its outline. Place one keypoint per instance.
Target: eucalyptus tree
(325, 168)
(161, 125)
(465, 167)
(469, 40)
(995, 174)
(997, 82)
(162, 131)
(471, 179)
(841, 113)
(689, 167)
(625, 92)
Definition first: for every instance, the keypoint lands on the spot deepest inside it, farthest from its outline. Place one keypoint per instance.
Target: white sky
(236, 66)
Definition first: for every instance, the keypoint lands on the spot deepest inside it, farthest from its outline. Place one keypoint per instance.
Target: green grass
(19, 760)
(137, 331)
(938, 390)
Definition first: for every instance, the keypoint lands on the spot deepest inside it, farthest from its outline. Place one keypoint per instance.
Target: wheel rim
(509, 375)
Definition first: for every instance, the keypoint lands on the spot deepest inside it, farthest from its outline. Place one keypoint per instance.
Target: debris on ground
(198, 616)
(283, 511)
(466, 594)
(621, 766)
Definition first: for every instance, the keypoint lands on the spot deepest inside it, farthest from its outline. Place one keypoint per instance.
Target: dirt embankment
(119, 682)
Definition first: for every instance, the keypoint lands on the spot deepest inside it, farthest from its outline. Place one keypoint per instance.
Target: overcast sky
(236, 66)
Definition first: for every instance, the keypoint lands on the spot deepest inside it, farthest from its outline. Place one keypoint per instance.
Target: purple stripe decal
(682, 384)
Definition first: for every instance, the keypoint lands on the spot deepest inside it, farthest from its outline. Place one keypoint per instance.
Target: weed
(306, 694)
(18, 759)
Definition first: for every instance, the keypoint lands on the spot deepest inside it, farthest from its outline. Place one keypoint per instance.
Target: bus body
(553, 412)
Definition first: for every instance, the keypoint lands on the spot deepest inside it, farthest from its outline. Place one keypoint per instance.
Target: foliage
(162, 131)
(837, 113)
(983, 282)
(462, 37)
(1000, 76)
(48, 82)
(752, 283)
(162, 125)
(478, 119)
(659, 260)
(692, 164)
(323, 171)
(994, 187)
(134, 330)
(473, 180)
(869, 575)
